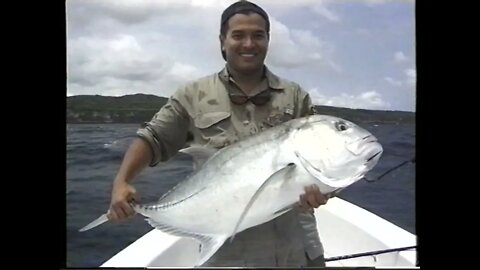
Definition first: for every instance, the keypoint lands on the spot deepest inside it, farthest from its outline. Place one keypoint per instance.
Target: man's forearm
(137, 157)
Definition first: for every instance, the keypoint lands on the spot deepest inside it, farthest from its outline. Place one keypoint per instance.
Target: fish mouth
(374, 155)
(361, 145)
(369, 139)
(372, 159)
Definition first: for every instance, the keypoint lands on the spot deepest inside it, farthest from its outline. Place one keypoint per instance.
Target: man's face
(246, 42)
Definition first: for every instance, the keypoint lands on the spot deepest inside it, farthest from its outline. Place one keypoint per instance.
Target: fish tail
(100, 220)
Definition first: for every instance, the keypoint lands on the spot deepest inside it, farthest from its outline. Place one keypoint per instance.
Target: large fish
(259, 178)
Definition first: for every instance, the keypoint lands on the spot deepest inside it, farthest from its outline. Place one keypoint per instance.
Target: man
(240, 100)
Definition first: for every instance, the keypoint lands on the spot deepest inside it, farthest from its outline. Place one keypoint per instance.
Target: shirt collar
(273, 80)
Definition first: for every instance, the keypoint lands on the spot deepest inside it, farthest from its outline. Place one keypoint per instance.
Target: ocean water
(95, 151)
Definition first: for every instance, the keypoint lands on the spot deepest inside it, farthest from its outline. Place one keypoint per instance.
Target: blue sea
(95, 151)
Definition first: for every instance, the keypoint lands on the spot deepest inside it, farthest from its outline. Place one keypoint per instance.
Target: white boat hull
(344, 229)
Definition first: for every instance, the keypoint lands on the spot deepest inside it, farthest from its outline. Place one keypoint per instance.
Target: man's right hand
(120, 208)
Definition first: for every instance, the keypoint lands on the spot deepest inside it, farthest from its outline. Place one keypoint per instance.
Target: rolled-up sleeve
(304, 103)
(166, 132)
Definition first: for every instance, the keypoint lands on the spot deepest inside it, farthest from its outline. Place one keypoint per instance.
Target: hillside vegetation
(140, 108)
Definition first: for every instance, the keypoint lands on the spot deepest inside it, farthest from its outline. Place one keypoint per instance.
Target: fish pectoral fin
(199, 154)
(100, 220)
(284, 171)
(321, 177)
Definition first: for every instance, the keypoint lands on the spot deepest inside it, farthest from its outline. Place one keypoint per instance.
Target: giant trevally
(262, 176)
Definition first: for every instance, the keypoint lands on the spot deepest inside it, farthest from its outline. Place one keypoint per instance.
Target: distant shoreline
(140, 108)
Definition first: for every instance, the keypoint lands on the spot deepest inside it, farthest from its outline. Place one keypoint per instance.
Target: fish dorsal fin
(284, 171)
(209, 243)
(199, 154)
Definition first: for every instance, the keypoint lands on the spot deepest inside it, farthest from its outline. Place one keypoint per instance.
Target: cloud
(393, 82)
(182, 72)
(304, 3)
(362, 32)
(411, 76)
(399, 57)
(380, 2)
(131, 11)
(409, 79)
(293, 48)
(146, 46)
(375, 2)
(110, 55)
(366, 100)
(117, 47)
(120, 56)
(123, 64)
(327, 13)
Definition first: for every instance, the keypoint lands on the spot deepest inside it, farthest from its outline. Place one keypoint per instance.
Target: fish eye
(340, 126)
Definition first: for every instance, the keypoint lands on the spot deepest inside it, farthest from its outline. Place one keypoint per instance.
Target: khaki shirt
(203, 107)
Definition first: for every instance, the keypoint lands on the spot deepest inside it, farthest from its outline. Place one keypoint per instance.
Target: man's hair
(242, 7)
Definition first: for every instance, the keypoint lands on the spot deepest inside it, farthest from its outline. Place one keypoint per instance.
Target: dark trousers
(317, 262)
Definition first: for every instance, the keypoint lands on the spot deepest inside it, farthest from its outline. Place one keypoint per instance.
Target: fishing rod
(390, 170)
(370, 253)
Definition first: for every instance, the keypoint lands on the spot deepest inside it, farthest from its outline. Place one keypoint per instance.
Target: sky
(345, 53)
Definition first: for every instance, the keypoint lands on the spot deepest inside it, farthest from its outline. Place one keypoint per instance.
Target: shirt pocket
(278, 117)
(212, 128)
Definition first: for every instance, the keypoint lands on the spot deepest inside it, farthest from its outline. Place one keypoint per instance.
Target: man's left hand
(312, 198)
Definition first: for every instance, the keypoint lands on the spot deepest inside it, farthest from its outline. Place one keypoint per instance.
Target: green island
(139, 108)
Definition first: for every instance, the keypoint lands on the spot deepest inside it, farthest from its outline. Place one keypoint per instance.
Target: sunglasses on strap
(258, 99)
